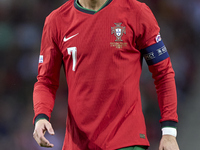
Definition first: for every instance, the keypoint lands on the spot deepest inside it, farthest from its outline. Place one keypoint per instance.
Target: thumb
(50, 129)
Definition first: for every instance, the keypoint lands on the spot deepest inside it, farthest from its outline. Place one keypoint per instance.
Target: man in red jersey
(101, 44)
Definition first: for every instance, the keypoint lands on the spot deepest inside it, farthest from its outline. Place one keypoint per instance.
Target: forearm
(163, 75)
(43, 99)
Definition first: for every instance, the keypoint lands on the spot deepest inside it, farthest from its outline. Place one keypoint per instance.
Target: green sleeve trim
(169, 123)
(41, 116)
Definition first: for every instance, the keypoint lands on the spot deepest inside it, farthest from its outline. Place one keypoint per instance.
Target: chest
(98, 40)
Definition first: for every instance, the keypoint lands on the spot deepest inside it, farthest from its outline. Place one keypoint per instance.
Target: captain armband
(155, 53)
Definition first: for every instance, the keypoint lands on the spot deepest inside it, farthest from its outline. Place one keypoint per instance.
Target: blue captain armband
(155, 53)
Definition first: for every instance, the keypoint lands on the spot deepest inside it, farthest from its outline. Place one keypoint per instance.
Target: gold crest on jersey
(118, 31)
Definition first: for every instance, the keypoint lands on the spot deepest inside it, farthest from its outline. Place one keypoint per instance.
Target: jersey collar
(89, 11)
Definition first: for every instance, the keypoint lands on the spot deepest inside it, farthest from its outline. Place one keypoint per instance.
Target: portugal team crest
(118, 31)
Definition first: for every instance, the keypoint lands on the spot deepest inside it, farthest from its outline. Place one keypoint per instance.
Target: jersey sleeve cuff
(40, 116)
(169, 123)
(169, 128)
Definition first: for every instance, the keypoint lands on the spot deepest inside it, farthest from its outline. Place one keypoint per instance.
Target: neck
(92, 4)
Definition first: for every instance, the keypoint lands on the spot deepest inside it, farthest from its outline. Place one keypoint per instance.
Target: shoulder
(136, 3)
(142, 10)
(58, 13)
(140, 6)
(55, 18)
(133, 3)
(132, 6)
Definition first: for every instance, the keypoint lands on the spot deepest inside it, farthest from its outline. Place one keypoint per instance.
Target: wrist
(169, 128)
(39, 117)
(169, 131)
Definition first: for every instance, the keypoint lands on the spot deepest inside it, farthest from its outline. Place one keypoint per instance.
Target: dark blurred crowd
(21, 24)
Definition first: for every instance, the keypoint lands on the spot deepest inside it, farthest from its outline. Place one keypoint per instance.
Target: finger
(40, 139)
(50, 129)
(161, 147)
(45, 143)
(40, 128)
(43, 140)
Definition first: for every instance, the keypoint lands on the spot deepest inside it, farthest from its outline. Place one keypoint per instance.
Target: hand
(168, 142)
(41, 127)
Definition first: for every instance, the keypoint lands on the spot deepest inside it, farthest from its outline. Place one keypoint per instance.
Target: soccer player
(101, 43)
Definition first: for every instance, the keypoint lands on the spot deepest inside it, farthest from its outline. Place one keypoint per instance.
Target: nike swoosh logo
(66, 39)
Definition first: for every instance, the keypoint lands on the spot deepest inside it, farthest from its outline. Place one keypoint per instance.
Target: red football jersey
(101, 52)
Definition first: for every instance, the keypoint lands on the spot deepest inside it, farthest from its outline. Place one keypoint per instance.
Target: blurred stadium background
(21, 24)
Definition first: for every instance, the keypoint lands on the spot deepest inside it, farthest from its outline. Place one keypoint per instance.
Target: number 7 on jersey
(73, 51)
